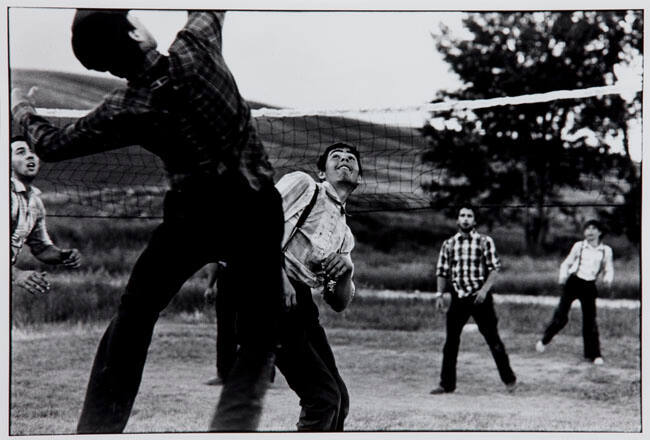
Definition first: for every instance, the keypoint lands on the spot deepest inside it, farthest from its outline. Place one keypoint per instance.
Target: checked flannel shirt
(467, 260)
(185, 108)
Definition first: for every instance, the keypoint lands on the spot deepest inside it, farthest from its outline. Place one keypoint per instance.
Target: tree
(530, 154)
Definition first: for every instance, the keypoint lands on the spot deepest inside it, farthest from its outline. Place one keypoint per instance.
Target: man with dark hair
(470, 261)
(317, 245)
(185, 108)
(28, 222)
(589, 259)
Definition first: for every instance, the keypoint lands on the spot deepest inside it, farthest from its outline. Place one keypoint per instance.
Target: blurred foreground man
(28, 222)
(470, 261)
(186, 109)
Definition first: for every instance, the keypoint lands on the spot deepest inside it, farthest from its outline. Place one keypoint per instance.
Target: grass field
(388, 371)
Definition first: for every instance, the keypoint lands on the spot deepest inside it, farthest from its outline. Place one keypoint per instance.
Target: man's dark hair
(101, 41)
(18, 138)
(596, 224)
(322, 160)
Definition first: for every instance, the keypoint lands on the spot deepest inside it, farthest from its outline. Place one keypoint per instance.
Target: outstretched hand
(32, 281)
(19, 96)
(71, 258)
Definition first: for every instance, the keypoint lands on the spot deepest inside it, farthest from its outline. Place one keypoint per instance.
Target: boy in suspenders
(588, 259)
(317, 244)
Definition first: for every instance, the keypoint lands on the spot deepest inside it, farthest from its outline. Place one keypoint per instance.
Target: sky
(328, 60)
(305, 60)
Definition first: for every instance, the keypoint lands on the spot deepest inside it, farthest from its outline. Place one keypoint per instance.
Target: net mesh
(130, 182)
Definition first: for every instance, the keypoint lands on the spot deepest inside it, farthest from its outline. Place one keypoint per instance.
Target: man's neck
(343, 190)
(27, 183)
(593, 242)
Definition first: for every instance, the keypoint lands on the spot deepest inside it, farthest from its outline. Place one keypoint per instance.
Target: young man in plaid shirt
(186, 109)
(470, 261)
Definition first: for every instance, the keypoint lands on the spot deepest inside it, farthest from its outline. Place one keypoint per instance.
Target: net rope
(130, 182)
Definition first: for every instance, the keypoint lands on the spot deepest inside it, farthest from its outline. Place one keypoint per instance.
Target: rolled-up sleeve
(608, 272)
(102, 129)
(442, 268)
(206, 26)
(492, 261)
(38, 239)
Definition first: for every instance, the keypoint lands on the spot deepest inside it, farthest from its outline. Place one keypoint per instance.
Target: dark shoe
(215, 381)
(511, 387)
(440, 390)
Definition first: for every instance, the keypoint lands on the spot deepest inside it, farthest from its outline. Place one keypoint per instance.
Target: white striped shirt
(587, 262)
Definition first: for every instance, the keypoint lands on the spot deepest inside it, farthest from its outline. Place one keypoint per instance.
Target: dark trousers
(220, 220)
(307, 362)
(486, 319)
(226, 325)
(586, 293)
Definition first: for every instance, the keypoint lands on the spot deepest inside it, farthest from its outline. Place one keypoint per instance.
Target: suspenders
(303, 216)
(602, 259)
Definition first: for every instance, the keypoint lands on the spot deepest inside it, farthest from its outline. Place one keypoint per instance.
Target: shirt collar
(20, 187)
(333, 195)
(599, 246)
(151, 59)
(472, 234)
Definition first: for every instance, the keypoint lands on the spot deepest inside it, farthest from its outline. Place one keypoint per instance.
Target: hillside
(393, 174)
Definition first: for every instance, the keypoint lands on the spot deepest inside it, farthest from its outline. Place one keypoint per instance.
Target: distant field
(388, 372)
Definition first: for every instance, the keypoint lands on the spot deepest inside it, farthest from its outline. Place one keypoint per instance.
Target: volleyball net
(130, 182)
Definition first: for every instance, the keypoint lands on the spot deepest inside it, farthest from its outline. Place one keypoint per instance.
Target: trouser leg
(321, 345)
(226, 325)
(317, 387)
(457, 316)
(255, 266)
(307, 362)
(561, 313)
(589, 324)
(116, 373)
(487, 322)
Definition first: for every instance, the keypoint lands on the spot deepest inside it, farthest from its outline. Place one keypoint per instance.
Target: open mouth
(346, 167)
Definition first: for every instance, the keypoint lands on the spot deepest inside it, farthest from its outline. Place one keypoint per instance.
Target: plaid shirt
(469, 258)
(185, 108)
(27, 220)
(325, 230)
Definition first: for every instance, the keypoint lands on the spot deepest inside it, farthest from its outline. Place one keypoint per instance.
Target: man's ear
(321, 175)
(136, 35)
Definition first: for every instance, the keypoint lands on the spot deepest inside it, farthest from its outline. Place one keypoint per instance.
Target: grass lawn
(388, 373)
